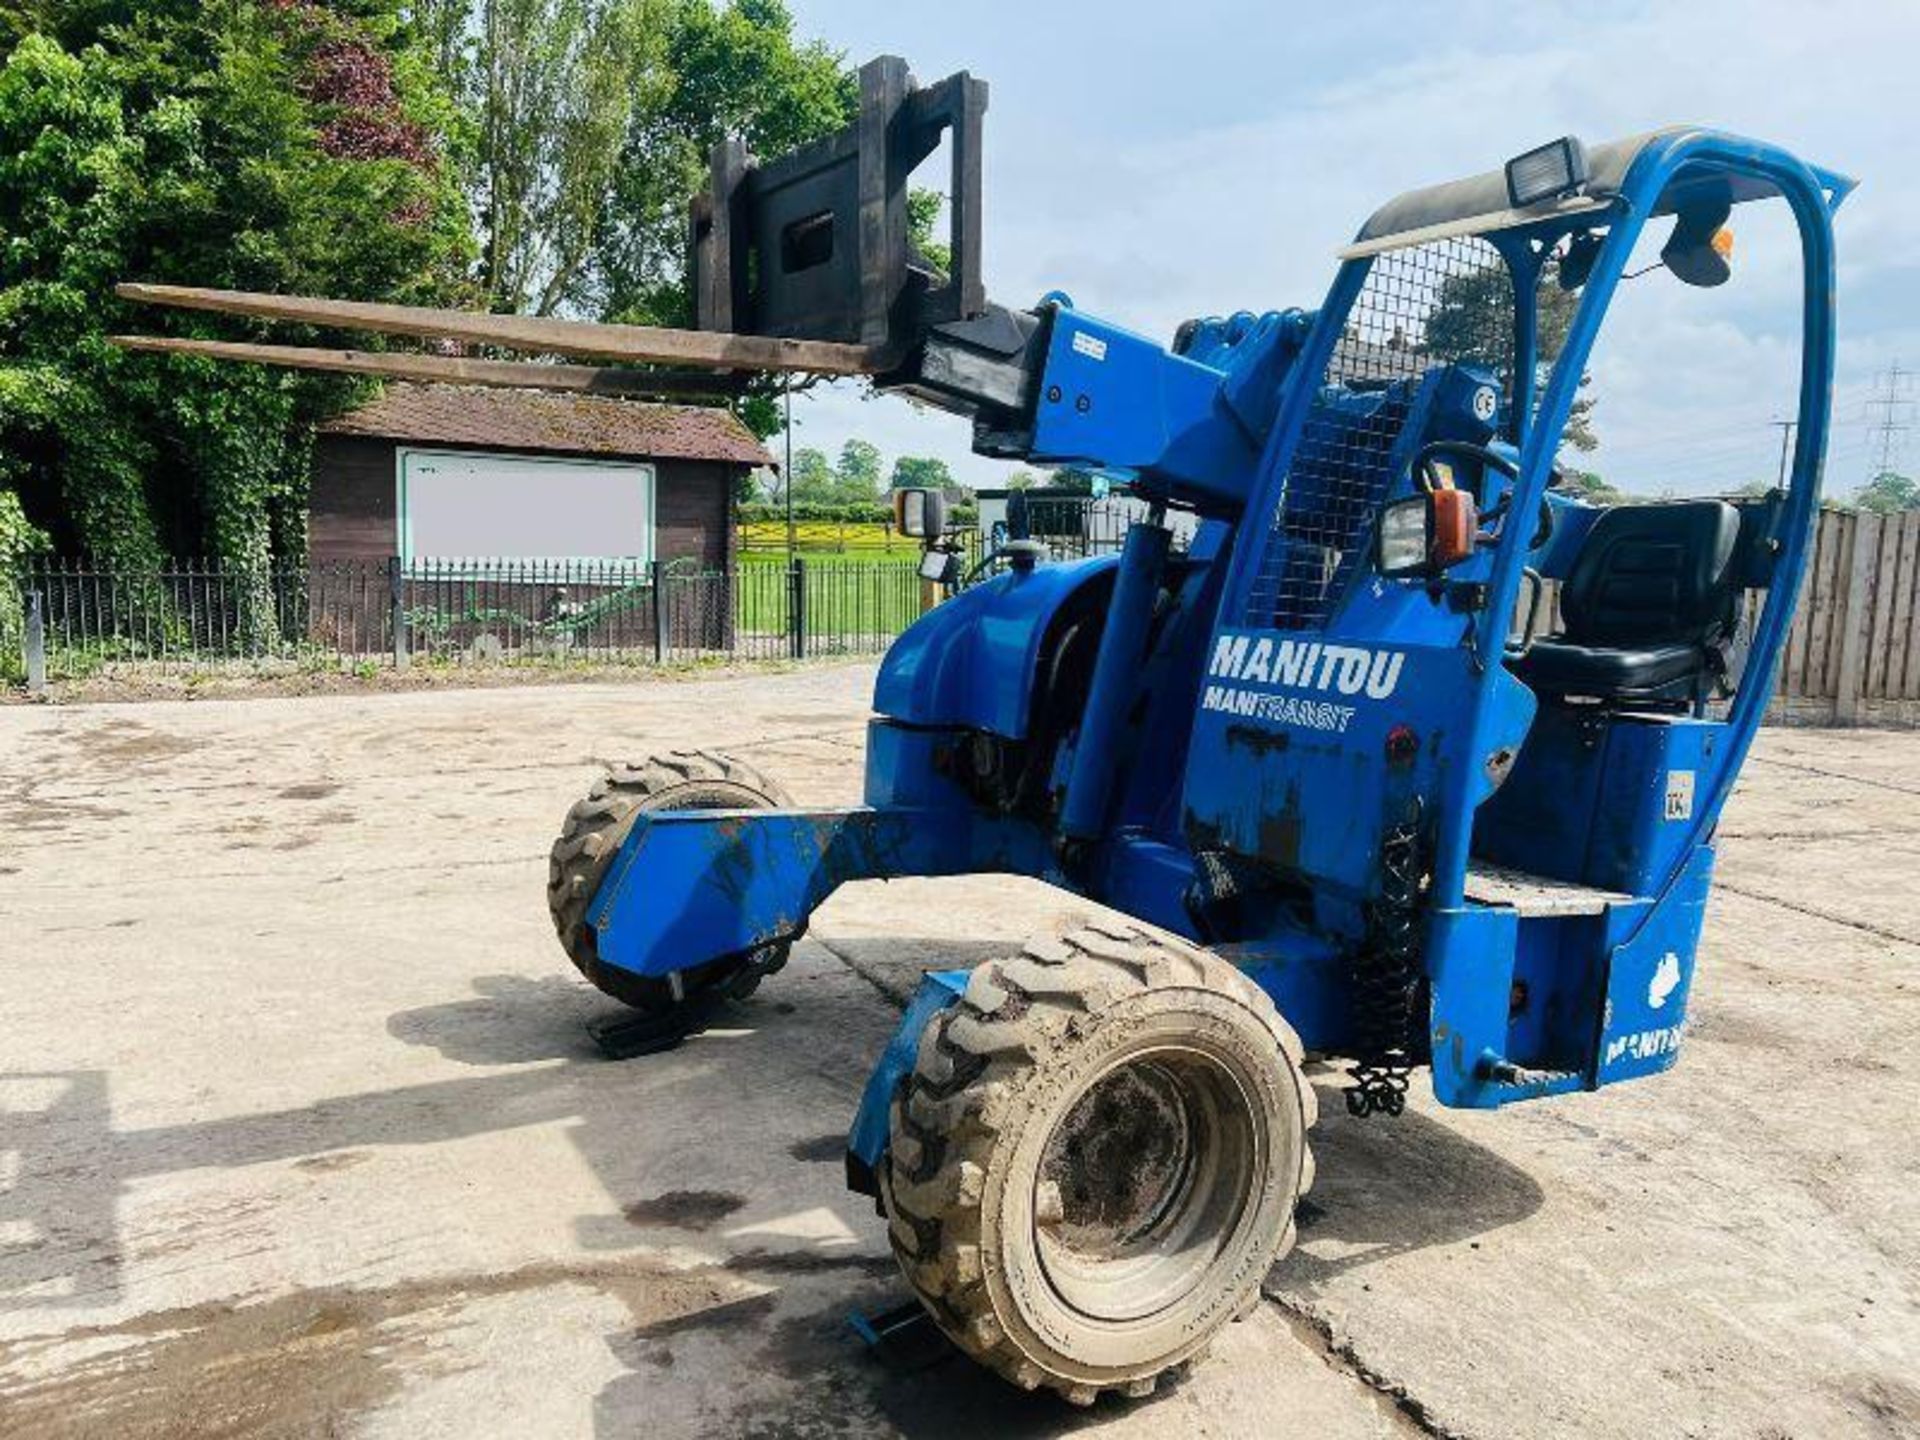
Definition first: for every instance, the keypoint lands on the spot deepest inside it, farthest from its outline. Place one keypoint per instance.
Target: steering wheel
(1426, 475)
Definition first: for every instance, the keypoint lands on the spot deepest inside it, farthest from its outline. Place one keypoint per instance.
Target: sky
(1159, 161)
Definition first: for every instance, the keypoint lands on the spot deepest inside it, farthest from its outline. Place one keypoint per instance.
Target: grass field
(845, 597)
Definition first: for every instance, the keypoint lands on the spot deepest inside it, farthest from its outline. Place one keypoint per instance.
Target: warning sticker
(1091, 346)
(1679, 794)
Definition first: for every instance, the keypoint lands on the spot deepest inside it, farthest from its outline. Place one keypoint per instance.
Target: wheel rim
(1145, 1180)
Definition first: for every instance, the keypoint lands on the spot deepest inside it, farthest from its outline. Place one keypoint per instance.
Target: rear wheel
(592, 835)
(1096, 1159)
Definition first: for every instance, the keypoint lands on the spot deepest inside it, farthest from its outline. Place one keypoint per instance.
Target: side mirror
(1427, 534)
(1700, 250)
(920, 514)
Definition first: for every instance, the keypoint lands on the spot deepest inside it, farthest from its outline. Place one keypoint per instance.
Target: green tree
(734, 69)
(1888, 493)
(268, 146)
(813, 480)
(592, 124)
(922, 472)
(859, 470)
(924, 208)
(1472, 322)
(552, 88)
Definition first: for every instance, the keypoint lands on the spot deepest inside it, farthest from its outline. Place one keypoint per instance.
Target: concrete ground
(300, 1135)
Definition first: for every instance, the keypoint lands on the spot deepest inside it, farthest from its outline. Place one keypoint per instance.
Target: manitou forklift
(1355, 796)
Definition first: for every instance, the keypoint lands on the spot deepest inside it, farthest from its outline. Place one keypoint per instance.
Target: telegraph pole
(1786, 428)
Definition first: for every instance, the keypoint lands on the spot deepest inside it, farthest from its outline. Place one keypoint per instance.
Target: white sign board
(464, 505)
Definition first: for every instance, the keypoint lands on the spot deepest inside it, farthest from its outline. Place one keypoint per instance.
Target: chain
(1386, 978)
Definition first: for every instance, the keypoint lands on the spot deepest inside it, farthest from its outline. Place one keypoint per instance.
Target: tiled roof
(498, 419)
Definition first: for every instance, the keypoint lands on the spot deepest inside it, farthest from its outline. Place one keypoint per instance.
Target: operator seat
(1649, 605)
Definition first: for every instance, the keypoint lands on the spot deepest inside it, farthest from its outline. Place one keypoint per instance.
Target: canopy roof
(1479, 204)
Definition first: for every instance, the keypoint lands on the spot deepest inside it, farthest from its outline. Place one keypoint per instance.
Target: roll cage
(1631, 183)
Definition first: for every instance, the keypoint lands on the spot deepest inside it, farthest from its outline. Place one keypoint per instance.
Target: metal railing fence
(69, 619)
(1852, 657)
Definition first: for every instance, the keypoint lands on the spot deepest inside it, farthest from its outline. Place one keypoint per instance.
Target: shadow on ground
(511, 1020)
(1386, 1188)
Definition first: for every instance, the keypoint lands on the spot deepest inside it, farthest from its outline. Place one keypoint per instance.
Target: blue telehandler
(1354, 796)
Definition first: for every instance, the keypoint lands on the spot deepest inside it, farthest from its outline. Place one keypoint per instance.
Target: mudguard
(969, 663)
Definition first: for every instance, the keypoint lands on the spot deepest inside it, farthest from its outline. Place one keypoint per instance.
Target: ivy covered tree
(526, 155)
(282, 145)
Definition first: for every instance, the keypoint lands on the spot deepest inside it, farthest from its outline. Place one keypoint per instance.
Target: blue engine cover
(969, 663)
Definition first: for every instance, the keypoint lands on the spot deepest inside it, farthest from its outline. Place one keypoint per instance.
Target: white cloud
(1159, 162)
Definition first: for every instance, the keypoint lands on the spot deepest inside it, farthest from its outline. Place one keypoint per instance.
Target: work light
(1426, 534)
(1555, 169)
(1405, 537)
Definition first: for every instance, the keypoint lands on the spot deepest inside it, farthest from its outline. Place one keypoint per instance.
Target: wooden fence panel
(1903, 673)
(1877, 585)
(1852, 656)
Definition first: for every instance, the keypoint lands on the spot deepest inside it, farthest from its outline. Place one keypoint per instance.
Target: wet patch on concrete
(123, 742)
(807, 1262)
(311, 790)
(821, 1150)
(840, 1388)
(26, 810)
(303, 1364)
(685, 1209)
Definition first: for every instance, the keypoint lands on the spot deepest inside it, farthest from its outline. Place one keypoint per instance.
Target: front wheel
(594, 830)
(1096, 1159)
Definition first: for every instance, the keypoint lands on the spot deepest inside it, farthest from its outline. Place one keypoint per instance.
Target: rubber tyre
(592, 835)
(1002, 1073)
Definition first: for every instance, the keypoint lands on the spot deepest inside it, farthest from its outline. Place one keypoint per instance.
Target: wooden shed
(436, 473)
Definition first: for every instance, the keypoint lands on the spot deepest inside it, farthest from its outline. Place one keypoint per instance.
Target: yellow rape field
(869, 539)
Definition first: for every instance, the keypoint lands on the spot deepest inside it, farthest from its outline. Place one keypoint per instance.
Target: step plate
(1537, 894)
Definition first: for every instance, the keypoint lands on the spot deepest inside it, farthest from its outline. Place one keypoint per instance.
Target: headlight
(1404, 539)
